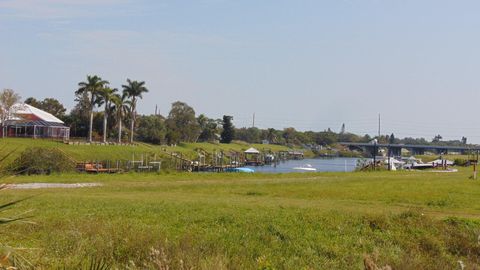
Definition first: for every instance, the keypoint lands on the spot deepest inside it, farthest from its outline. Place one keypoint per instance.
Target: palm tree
(92, 87)
(106, 95)
(134, 90)
(121, 108)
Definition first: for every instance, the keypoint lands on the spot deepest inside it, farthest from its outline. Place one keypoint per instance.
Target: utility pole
(156, 109)
(379, 125)
(253, 122)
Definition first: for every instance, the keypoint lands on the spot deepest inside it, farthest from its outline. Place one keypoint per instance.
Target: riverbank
(11, 148)
(408, 220)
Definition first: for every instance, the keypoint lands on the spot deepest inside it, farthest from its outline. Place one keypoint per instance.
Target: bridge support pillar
(440, 151)
(417, 151)
(394, 151)
(371, 150)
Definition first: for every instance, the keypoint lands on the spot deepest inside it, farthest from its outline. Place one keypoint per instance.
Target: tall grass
(408, 220)
(9, 258)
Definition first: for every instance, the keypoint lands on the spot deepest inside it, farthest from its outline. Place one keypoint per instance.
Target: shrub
(461, 162)
(38, 160)
(349, 154)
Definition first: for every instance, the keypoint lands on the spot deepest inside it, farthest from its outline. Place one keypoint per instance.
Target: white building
(27, 121)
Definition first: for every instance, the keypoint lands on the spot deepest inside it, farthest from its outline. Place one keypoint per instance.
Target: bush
(461, 162)
(349, 154)
(38, 160)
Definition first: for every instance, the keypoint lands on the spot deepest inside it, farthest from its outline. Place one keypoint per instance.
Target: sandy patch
(51, 185)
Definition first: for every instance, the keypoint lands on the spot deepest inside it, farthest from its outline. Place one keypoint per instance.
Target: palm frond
(94, 264)
(8, 155)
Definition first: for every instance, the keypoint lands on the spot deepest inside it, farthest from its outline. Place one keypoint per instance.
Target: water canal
(320, 164)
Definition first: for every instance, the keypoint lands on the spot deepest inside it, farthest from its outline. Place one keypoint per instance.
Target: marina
(316, 165)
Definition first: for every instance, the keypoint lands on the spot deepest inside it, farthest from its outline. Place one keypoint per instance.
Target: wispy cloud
(59, 9)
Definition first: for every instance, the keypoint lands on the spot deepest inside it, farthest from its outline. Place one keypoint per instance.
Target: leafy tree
(92, 88)
(384, 139)
(250, 135)
(173, 136)
(208, 128)
(289, 135)
(437, 138)
(151, 129)
(50, 105)
(78, 118)
(134, 90)
(302, 137)
(53, 106)
(392, 140)
(33, 102)
(414, 141)
(326, 138)
(464, 140)
(366, 138)
(228, 132)
(8, 98)
(348, 137)
(181, 119)
(270, 136)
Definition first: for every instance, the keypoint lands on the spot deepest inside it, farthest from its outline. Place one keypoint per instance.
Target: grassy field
(114, 152)
(408, 220)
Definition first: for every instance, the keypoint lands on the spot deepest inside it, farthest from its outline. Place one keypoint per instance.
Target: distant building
(313, 147)
(27, 121)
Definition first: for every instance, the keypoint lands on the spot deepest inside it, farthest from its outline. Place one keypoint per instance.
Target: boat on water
(240, 170)
(419, 166)
(306, 168)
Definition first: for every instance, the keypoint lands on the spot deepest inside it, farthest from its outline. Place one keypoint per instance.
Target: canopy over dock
(25, 120)
(252, 151)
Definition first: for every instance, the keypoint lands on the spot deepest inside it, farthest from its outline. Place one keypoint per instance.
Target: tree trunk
(132, 127)
(91, 127)
(105, 119)
(120, 131)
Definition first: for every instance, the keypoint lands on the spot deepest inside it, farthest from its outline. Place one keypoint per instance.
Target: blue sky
(306, 64)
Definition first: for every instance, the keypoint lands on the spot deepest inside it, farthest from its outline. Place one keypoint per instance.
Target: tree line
(118, 118)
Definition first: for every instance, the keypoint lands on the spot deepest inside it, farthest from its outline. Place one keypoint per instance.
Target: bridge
(396, 149)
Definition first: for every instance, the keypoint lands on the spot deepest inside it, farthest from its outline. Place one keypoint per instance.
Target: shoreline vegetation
(172, 220)
(12, 148)
(105, 115)
(407, 220)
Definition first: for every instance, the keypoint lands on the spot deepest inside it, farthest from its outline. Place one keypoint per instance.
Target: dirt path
(51, 185)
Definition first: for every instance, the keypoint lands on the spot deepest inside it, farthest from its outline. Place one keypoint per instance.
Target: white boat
(306, 167)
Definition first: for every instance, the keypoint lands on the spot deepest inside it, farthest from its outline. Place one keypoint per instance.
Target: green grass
(409, 220)
(114, 152)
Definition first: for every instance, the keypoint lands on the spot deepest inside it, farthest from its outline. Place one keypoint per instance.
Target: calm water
(321, 164)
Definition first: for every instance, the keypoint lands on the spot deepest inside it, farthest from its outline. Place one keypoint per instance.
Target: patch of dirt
(50, 185)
